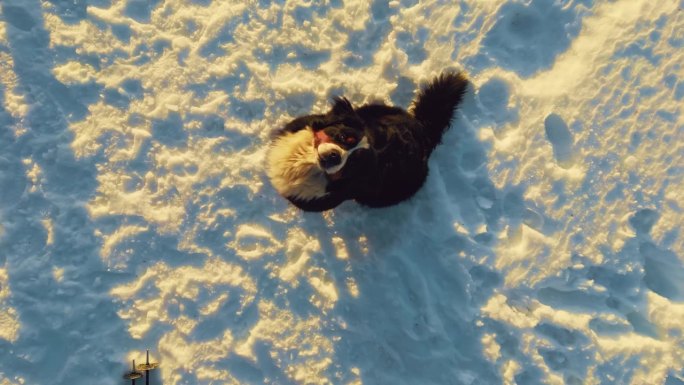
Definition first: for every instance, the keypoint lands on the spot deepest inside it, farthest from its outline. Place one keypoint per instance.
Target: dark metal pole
(147, 372)
(133, 374)
(147, 366)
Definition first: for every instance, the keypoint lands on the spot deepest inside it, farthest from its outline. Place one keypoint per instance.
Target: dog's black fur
(393, 165)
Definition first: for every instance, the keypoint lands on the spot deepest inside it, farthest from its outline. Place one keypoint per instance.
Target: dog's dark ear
(342, 106)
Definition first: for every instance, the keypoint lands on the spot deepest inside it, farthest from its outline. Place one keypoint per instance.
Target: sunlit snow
(135, 213)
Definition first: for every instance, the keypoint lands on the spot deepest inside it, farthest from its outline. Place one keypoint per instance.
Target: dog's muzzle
(330, 159)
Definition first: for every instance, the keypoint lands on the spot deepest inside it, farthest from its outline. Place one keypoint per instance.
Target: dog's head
(338, 135)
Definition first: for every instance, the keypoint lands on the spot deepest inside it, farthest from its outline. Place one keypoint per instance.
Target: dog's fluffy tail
(436, 103)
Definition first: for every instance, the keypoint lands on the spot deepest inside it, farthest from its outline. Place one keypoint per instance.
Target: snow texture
(545, 248)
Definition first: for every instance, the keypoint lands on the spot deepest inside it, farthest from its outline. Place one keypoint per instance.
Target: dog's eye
(348, 139)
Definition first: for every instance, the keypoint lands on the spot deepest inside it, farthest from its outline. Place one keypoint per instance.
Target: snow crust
(545, 248)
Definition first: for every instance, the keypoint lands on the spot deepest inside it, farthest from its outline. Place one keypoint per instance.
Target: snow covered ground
(545, 248)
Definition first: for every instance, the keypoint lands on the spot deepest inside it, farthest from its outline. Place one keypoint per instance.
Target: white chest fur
(292, 166)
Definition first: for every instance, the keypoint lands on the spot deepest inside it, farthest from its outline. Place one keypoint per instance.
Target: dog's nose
(330, 159)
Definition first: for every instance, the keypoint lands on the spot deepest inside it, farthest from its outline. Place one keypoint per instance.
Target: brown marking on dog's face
(335, 176)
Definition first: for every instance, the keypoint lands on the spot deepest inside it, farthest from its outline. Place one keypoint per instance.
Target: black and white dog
(375, 154)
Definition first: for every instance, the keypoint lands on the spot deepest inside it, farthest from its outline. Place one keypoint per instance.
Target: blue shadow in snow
(140, 10)
(527, 37)
(412, 45)
(51, 331)
(364, 43)
(308, 58)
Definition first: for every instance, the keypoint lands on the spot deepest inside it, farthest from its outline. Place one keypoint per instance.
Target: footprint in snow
(559, 135)
(18, 17)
